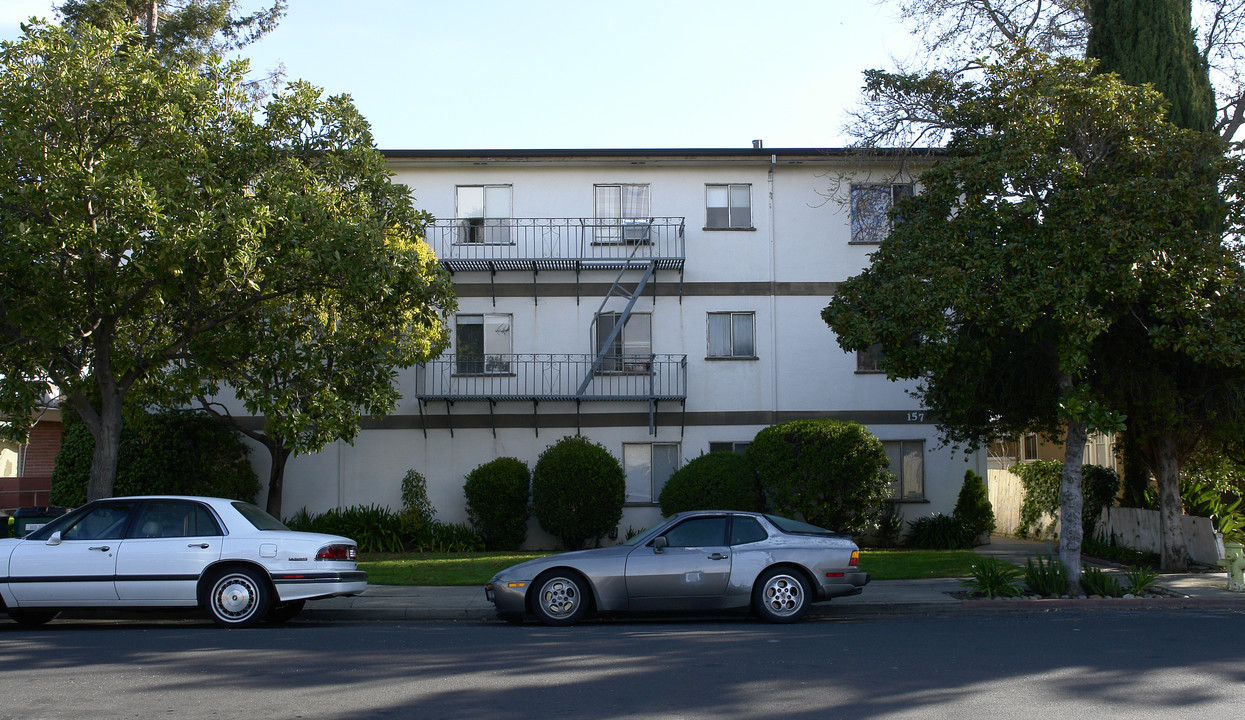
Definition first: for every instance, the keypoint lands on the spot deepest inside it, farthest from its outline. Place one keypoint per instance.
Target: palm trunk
(1175, 556)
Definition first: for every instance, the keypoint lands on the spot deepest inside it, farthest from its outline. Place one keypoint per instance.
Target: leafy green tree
(186, 31)
(829, 472)
(1064, 203)
(315, 362)
(1151, 41)
(145, 209)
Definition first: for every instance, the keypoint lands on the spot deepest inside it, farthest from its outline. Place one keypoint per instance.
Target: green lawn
(479, 568)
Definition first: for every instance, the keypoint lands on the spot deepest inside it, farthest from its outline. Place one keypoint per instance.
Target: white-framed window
(869, 361)
(728, 207)
(632, 349)
(623, 213)
(732, 335)
(871, 205)
(648, 466)
(484, 344)
(907, 459)
(484, 213)
(740, 446)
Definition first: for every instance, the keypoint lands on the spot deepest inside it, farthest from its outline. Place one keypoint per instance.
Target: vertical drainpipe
(773, 296)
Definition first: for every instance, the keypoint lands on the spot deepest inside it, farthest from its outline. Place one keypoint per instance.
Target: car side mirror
(659, 543)
(55, 539)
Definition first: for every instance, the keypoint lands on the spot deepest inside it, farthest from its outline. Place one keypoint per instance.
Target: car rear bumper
(851, 583)
(313, 586)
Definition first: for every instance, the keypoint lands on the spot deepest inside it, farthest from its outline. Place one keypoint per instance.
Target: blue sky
(544, 74)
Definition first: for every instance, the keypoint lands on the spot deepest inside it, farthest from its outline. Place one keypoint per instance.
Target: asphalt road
(1081, 665)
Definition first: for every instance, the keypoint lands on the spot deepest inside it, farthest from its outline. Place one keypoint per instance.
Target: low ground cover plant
(994, 578)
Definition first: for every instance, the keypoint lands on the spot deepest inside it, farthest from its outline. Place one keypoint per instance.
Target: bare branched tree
(956, 34)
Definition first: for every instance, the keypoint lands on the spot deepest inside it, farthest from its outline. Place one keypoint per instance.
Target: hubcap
(783, 595)
(559, 597)
(235, 597)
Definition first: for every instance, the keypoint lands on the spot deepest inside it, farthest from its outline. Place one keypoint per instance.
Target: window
(698, 532)
(484, 213)
(746, 530)
(648, 466)
(870, 207)
(1030, 447)
(632, 349)
(728, 207)
(869, 361)
(732, 334)
(483, 344)
(908, 466)
(173, 519)
(735, 447)
(622, 214)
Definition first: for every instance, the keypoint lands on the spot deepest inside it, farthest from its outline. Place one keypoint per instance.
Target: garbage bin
(29, 519)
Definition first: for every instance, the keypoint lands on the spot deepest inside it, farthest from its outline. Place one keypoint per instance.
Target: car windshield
(260, 519)
(795, 527)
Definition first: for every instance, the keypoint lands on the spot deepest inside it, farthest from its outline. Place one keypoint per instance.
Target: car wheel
(780, 596)
(561, 598)
(32, 618)
(238, 597)
(281, 612)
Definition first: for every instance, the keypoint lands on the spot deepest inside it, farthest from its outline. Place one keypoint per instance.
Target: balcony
(534, 244)
(552, 377)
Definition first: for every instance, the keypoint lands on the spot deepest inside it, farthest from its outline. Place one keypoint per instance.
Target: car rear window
(795, 527)
(260, 519)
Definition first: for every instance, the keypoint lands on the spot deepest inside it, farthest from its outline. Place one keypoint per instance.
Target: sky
(479, 74)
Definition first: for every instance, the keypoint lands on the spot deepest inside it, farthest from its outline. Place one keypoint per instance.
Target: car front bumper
(509, 597)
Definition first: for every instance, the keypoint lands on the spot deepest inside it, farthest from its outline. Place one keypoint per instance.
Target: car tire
(560, 598)
(781, 595)
(284, 611)
(238, 597)
(32, 618)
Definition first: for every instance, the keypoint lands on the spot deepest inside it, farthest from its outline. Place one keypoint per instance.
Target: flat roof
(638, 154)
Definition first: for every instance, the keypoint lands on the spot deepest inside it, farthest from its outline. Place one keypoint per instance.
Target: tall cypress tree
(1151, 41)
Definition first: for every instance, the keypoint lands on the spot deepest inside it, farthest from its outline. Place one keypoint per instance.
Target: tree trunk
(105, 426)
(1071, 500)
(1175, 555)
(276, 474)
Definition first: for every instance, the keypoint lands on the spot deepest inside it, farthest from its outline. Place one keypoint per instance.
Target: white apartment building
(663, 303)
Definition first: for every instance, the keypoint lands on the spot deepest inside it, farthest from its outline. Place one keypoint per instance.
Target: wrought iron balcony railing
(556, 243)
(552, 377)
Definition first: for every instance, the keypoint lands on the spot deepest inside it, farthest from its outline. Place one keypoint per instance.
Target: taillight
(855, 561)
(338, 552)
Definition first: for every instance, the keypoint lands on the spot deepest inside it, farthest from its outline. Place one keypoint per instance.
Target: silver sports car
(703, 560)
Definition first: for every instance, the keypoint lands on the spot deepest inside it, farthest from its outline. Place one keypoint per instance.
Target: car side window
(106, 522)
(172, 519)
(746, 530)
(698, 532)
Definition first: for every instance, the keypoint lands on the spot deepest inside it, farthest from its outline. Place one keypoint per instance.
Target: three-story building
(663, 303)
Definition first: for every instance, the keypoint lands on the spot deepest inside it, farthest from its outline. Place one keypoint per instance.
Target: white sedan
(226, 556)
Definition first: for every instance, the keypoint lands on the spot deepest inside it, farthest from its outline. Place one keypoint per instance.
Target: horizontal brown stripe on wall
(461, 417)
(663, 287)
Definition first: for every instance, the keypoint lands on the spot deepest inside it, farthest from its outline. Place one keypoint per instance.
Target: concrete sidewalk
(1193, 590)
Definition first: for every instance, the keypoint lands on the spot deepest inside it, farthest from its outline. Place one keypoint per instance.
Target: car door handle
(198, 545)
(718, 556)
(101, 548)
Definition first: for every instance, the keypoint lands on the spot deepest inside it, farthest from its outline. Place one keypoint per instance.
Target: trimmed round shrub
(578, 490)
(164, 454)
(973, 510)
(717, 481)
(829, 472)
(497, 502)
